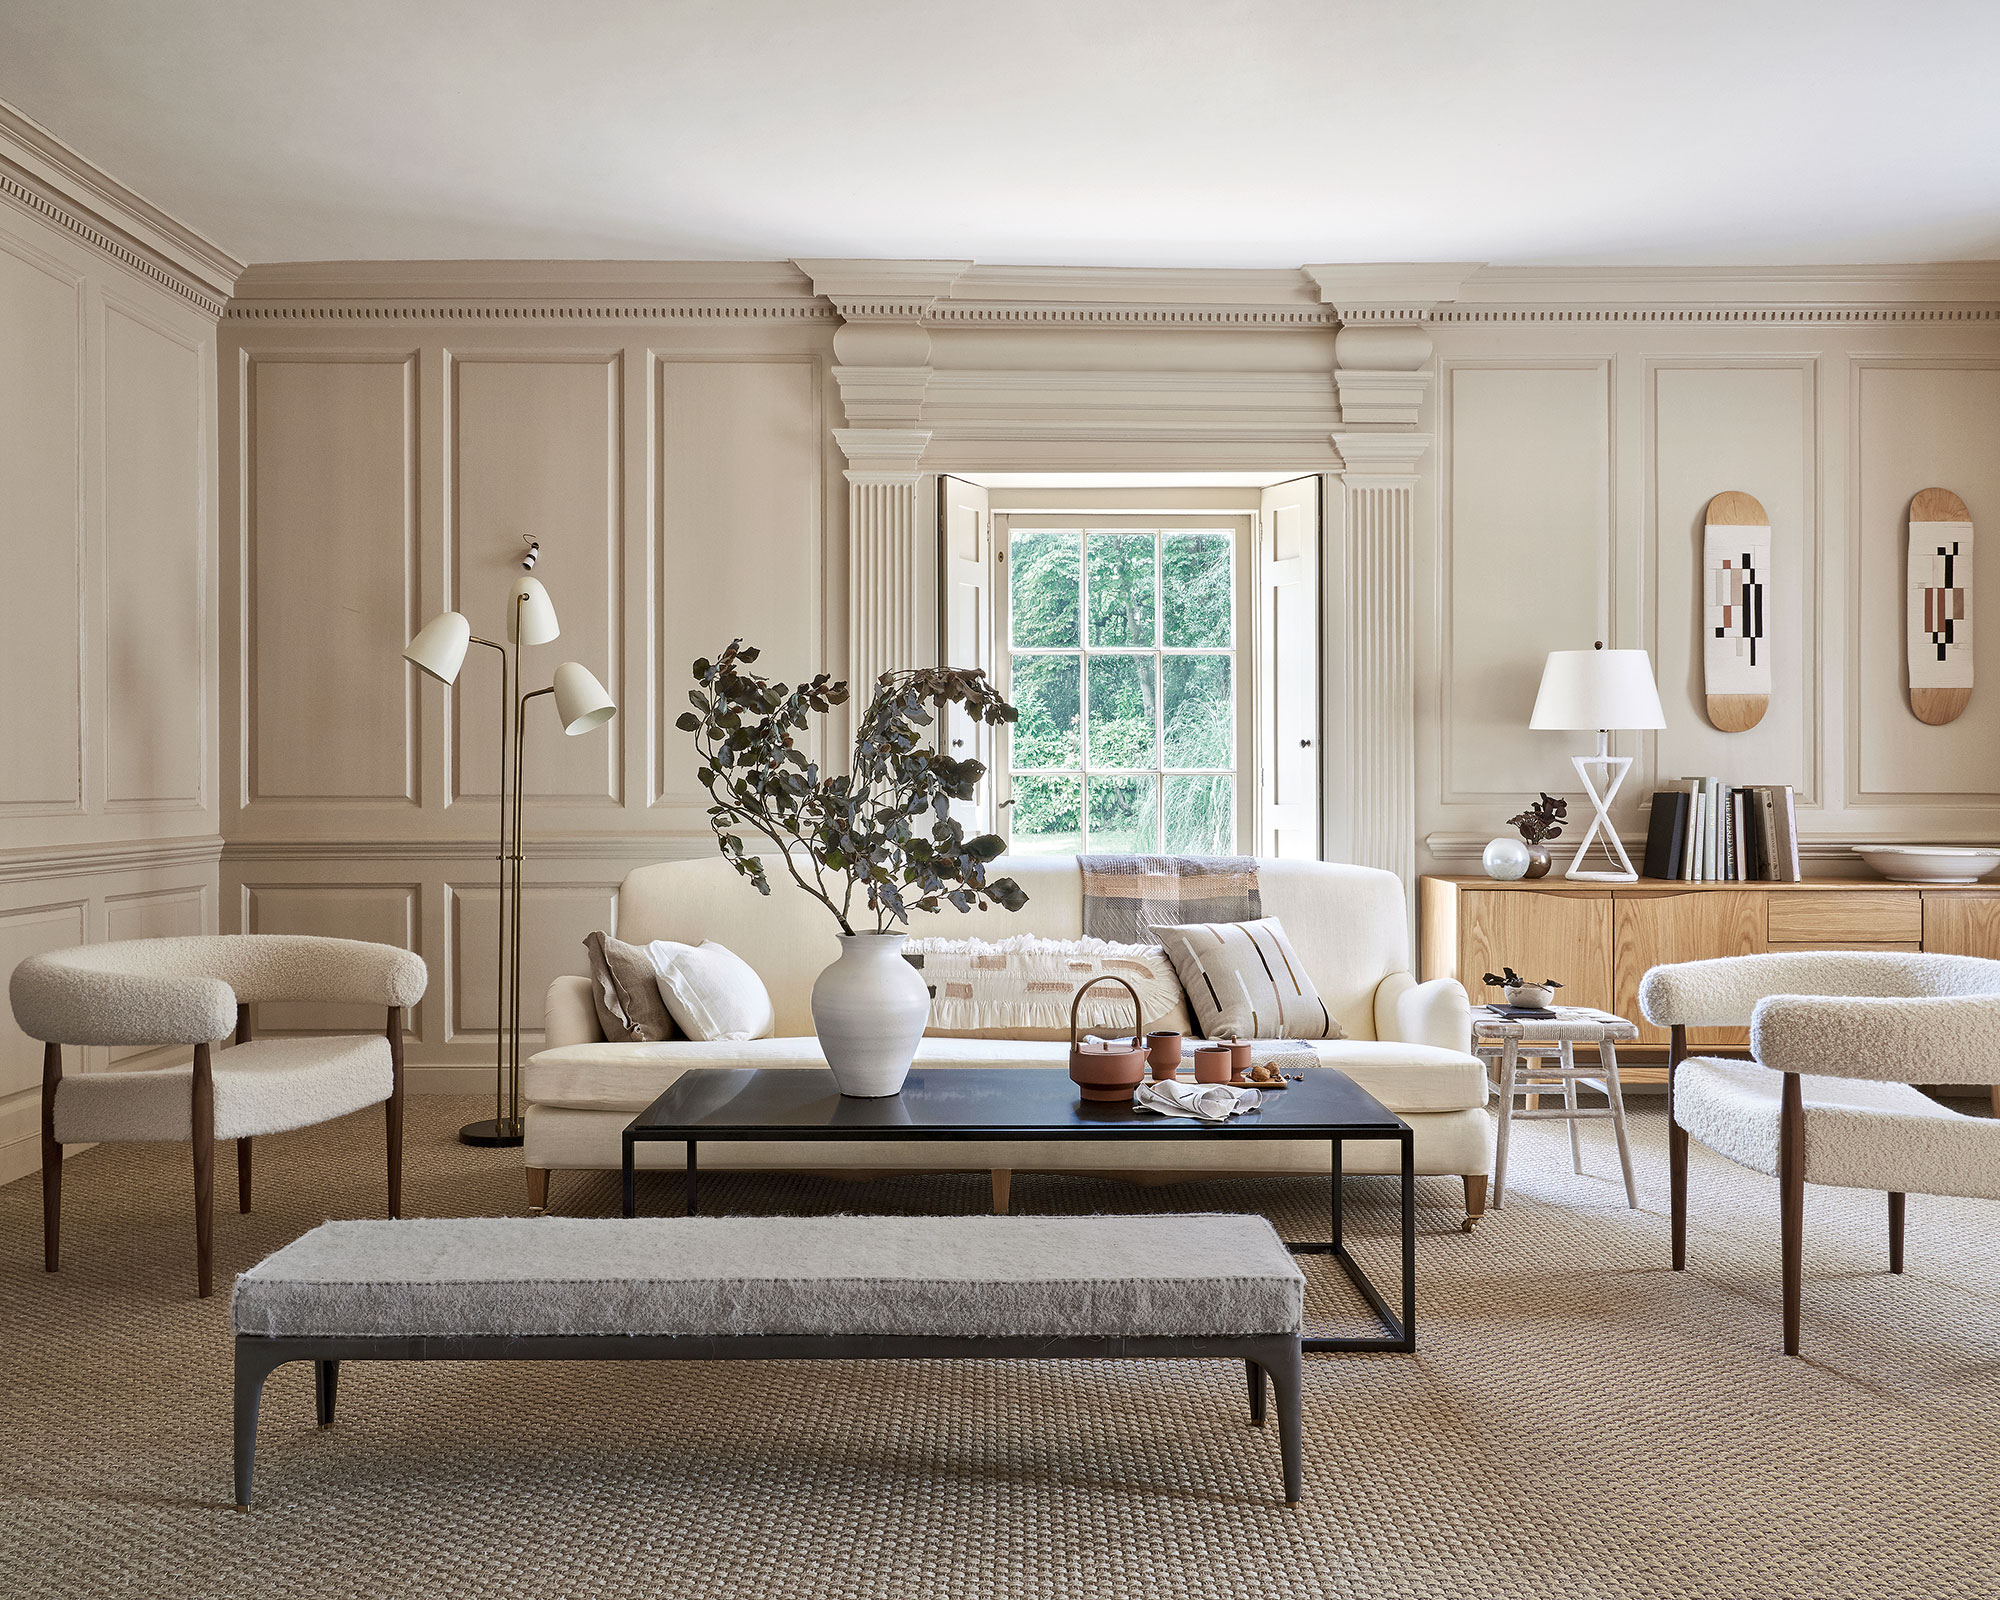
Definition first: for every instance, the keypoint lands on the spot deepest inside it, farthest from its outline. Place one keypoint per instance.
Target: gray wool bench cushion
(972, 1276)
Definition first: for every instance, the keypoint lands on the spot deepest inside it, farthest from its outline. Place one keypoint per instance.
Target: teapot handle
(1076, 1007)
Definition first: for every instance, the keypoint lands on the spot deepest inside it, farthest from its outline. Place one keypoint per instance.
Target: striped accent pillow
(1245, 981)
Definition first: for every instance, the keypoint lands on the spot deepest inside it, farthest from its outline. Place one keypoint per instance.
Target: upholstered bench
(774, 1288)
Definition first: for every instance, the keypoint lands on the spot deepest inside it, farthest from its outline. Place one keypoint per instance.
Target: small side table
(1531, 1055)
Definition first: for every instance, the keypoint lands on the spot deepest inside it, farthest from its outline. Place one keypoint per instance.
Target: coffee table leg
(693, 1182)
(628, 1200)
(1409, 1142)
(1339, 1177)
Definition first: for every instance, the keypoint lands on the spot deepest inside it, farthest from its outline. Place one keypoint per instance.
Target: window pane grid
(1110, 620)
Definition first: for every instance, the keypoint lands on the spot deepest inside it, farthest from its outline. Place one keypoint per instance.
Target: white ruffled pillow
(712, 992)
(1021, 988)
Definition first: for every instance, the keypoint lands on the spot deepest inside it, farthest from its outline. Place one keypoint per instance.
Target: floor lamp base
(492, 1134)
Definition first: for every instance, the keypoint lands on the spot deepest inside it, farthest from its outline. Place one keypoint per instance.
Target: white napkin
(1207, 1102)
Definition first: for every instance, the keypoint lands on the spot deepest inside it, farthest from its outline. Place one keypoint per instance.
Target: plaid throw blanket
(1124, 897)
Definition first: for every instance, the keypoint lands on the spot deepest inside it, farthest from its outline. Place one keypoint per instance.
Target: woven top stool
(1531, 1054)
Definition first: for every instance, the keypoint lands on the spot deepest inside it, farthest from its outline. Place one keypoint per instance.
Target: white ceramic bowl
(1929, 863)
(1532, 995)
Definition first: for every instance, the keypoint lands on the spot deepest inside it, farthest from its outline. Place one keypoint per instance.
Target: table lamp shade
(439, 647)
(582, 703)
(1587, 690)
(530, 605)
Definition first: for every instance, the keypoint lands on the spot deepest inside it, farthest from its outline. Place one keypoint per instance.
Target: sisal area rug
(1578, 1420)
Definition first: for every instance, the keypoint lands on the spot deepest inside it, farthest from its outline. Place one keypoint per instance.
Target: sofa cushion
(1021, 988)
(1245, 981)
(625, 992)
(711, 992)
(1410, 1078)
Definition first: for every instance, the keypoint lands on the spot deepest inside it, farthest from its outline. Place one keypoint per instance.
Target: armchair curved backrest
(186, 990)
(1725, 992)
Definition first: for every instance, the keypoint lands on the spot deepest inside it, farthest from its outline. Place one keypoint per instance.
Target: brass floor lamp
(581, 704)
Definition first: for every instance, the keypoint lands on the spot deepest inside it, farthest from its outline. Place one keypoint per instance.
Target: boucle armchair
(194, 991)
(1838, 1038)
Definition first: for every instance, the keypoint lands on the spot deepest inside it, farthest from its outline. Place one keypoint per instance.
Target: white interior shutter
(965, 614)
(1288, 673)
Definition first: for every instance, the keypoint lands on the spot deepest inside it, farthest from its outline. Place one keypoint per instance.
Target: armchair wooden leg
(1677, 1155)
(1475, 1200)
(203, 1108)
(1003, 1190)
(1792, 1203)
(243, 1176)
(394, 1112)
(538, 1188)
(52, 1159)
(1895, 1232)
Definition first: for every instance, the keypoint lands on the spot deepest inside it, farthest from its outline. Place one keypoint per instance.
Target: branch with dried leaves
(884, 830)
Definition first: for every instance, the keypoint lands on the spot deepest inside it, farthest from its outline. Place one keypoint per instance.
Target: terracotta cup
(1163, 1052)
(1212, 1064)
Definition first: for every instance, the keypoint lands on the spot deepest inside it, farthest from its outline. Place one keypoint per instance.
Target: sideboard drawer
(1876, 917)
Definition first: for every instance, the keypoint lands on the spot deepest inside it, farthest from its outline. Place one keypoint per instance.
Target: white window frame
(1242, 530)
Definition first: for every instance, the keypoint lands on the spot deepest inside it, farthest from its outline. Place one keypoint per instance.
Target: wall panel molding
(116, 855)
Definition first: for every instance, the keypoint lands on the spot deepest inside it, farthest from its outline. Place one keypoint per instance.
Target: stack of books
(1709, 831)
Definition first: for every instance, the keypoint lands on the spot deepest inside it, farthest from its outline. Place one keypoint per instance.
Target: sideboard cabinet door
(1962, 923)
(1540, 935)
(1657, 927)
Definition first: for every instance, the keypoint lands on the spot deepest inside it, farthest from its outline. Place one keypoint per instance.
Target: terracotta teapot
(1107, 1069)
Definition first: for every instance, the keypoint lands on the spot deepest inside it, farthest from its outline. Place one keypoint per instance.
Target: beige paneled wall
(1578, 449)
(108, 760)
(676, 465)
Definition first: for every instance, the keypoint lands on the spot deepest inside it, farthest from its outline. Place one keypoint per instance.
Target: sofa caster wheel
(1468, 1225)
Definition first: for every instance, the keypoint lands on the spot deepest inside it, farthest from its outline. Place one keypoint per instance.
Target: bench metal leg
(326, 1384)
(1287, 1370)
(1255, 1374)
(252, 1368)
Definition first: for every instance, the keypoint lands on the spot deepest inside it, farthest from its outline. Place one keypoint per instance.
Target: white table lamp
(1599, 689)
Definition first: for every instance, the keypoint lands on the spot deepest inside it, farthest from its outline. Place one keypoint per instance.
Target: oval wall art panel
(1736, 654)
(1940, 606)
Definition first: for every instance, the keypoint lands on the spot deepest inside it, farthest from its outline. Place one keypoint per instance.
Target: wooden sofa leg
(52, 1159)
(1792, 1203)
(1003, 1190)
(1896, 1232)
(538, 1188)
(203, 1108)
(1475, 1200)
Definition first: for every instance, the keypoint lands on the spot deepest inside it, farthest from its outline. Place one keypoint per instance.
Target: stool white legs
(1509, 1057)
(1526, 1068)
(1568, 1059)
(1607, 1055)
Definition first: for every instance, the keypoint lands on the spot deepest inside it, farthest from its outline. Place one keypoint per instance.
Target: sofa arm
(1435, 1013)
(568, 1017)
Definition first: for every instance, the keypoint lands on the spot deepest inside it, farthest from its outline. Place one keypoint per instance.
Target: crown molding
(527, 291)
(1381, 455)
(1389, 291)
(40, 172)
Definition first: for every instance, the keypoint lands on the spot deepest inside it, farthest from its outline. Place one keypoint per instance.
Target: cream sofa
(1406, 1042)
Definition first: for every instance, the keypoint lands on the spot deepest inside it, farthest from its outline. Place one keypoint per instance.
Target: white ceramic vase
(869, 1010)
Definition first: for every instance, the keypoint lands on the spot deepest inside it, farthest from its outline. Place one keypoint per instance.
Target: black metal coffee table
(944, 1104)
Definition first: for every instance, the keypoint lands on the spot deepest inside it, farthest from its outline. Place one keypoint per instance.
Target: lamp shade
(529, 606)
(439, 647)
(582, 703)
(1595, 689)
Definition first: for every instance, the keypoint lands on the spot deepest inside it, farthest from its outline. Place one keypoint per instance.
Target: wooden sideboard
(1598, 939)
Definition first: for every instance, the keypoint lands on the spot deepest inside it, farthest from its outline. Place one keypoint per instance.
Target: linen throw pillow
(1021, 988)
(711, 991)
(625, 992)
(1245, 981)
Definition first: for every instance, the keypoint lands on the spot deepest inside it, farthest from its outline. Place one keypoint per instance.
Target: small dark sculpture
(1542, 821)
(1510, 979)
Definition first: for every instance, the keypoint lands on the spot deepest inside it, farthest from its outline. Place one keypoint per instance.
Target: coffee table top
(983, 1103)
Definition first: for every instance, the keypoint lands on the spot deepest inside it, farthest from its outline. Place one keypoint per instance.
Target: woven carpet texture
(1577, 1420)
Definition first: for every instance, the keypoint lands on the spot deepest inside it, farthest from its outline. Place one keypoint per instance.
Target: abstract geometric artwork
(1939, 629)
(1736, 579)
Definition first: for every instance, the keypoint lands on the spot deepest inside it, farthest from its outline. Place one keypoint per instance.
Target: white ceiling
(1075, 132)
